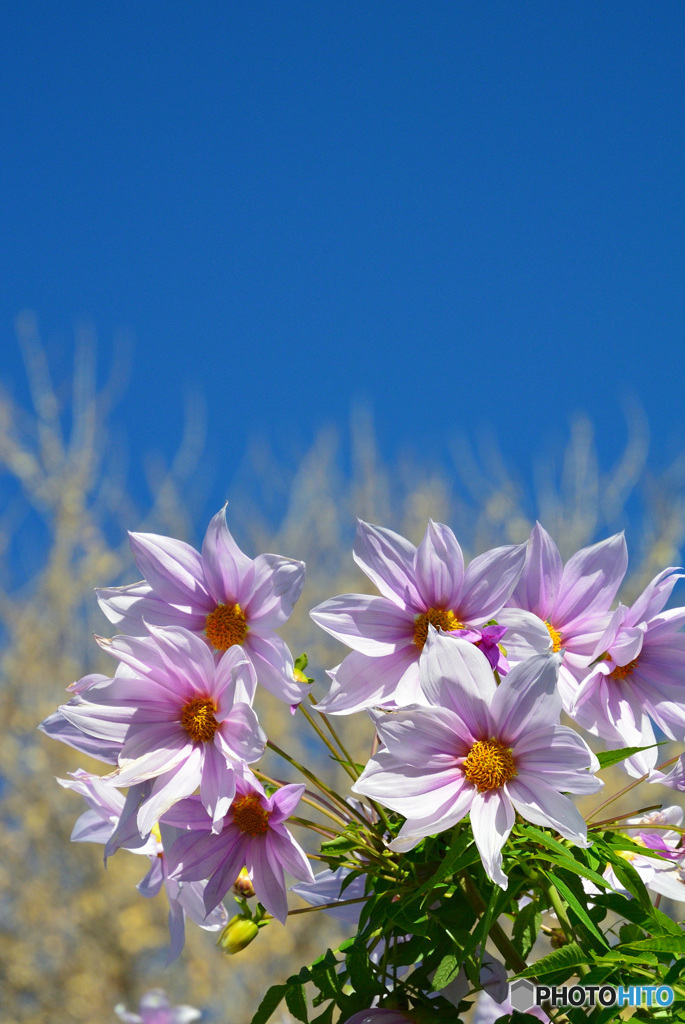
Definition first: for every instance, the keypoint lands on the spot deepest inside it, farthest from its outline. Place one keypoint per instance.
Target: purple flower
(420, 587)
(254, 836)
(101, 822)
(222, 595)
(184, 720)
(155, 1008)
(572, 600)
(480, 749)
(638, 677)
(675, 778)
(665, 877)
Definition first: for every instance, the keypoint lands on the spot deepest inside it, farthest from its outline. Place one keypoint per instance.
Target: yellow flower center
(226, 626)
(489, 764)
(441, 618)
(250, 816)
(621, 671)
(197, 718)
(556, 637)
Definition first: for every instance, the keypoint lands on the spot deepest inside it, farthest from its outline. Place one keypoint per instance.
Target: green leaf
(619, 955)
(296, 1002)
(269, 1003)
(563, 959)
(608, 757)
(447, 970)
(565, 887)
(674, 972)
(526, 927)
(341, 844)
(563, 857)
(649, 918)
(661, 944)
(462, 852)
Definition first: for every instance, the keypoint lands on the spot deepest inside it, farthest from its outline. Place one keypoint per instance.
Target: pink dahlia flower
(222, 595)
(420, 587)
(254, 836)
(573, 600)
(667, 876)
(638, 677)
(183, 720)
(155, 1008)
(100, 823)
(483, 750)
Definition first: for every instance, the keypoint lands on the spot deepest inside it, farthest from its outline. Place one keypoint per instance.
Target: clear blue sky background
(469, 214)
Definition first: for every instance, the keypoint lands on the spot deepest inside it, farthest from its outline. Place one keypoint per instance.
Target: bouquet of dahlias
(476, 888)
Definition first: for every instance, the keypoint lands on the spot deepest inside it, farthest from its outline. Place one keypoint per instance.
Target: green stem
(627, 789)
(328, 906)
(324, 739)
(564, 920)
(343, 748)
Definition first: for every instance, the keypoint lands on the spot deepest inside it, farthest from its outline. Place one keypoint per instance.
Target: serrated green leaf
(563, 959)
(447, 970)
(565, 887)
(608, 757)
(270, 1002)
(296, 1002)
(660, 944)
(341, 844)
(619, 956)
(456, 858)
(526, 927)
(561, 856)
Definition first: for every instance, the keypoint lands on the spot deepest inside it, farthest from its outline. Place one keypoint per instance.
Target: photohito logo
(524, 994)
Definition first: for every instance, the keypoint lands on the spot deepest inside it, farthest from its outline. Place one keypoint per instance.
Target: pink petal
(527, 699)
(227, 569)
(267, 877)
(274, 666)
(590, 581)
(282, 849)
(217, 785)
(370, 625)
(489, 581)
(654, 596)
(439, 566)
(542, 805)
(170, 788)
(388, 561)
(361, 682)
(539, 584)
(173, 569)
(186, 658)
(436, 819)
(424, 737)
(413, 792)
(456, 675)
(273, 592)
(239, 737)
(284, 801)
(492, 819)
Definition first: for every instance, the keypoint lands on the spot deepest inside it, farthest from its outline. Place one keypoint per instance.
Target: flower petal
(227, 569)
(275, 588)
(489, 581)
(439, 567)
(361, 682)
(544, 806)
(274, 666)
(388, 561)
(527, 699)
(590, 581)
(370, 625)
(456, 675)
(173, 569)
(492, 819)
(539, 584)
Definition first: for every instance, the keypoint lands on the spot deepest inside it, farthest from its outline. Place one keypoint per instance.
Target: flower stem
(626, 789)
(325, 719)
(324, 739)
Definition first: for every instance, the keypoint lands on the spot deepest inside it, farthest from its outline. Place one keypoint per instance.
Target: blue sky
(470, 215)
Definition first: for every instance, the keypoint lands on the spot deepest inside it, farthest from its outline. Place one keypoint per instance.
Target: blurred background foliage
(75, 938)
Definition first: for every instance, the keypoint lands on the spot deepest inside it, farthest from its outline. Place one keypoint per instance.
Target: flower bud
(238, 933)
(242, 886)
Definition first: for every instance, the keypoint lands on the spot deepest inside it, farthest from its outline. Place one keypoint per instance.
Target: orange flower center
(621, 671)
(556, 637)
(249, 815)
(489, 764)
(441, 618)
(197, 718)
(226, 626)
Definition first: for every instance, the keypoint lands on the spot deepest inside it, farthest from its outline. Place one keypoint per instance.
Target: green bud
(238, 933)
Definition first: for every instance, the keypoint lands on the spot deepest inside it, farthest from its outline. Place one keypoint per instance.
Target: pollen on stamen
(489, 764)
(226, 626)
(621, 671)
(250, 816)
(197, 718)
(441, 618)
(557, 642)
